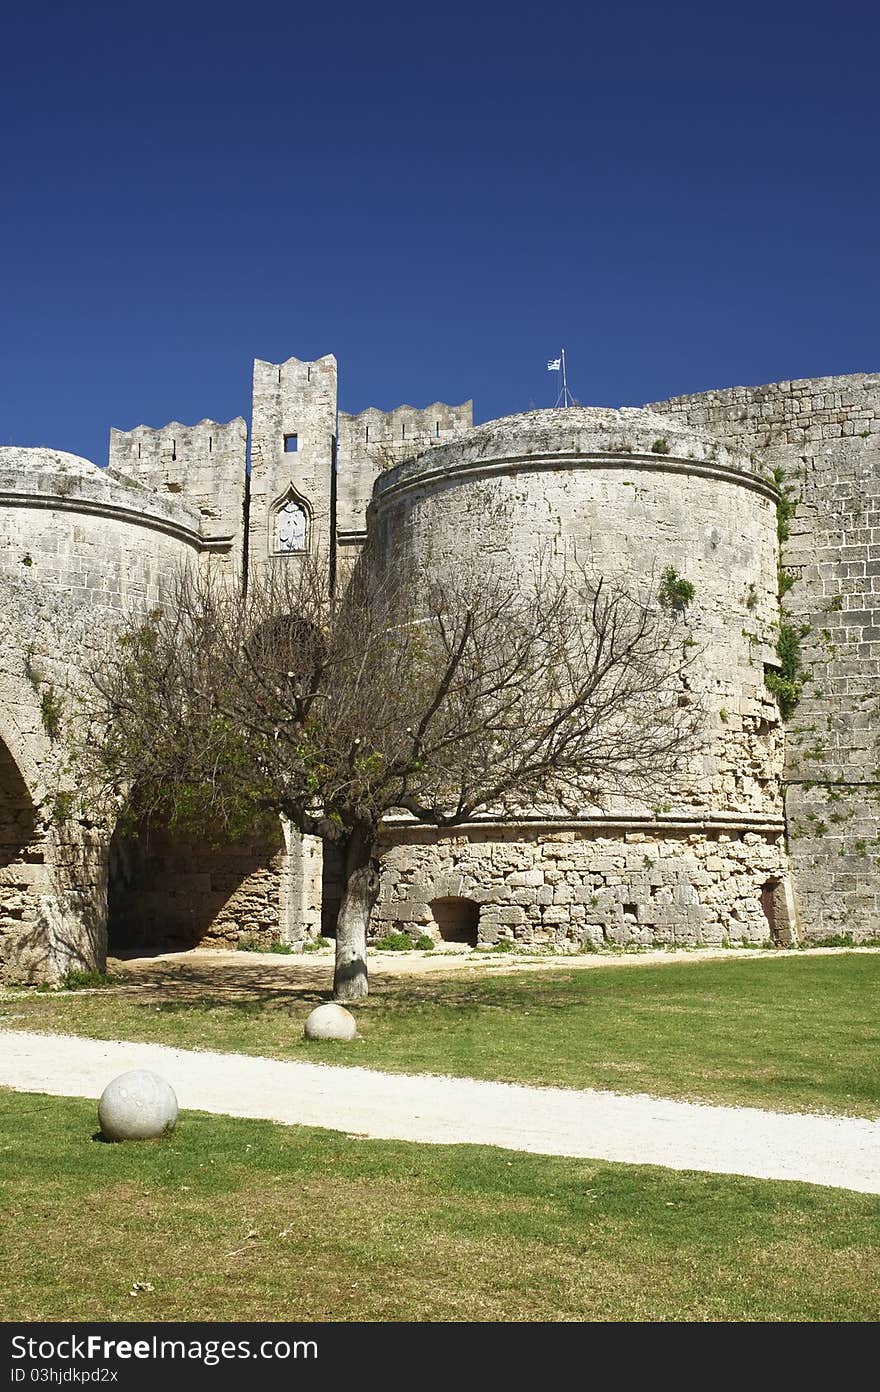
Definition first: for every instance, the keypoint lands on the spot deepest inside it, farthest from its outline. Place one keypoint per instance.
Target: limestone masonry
(776, 831)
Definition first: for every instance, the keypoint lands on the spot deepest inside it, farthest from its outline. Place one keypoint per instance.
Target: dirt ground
(243, 975)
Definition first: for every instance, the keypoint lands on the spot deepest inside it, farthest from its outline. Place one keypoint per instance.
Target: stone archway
(23, 874)
(457, 919)
(18, 816)
(169, 891)
(52, 882)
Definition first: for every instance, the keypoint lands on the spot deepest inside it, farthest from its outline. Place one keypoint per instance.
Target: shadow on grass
(178, 985)
(227, 982)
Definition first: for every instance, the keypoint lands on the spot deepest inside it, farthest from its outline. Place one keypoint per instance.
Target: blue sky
(683, 195)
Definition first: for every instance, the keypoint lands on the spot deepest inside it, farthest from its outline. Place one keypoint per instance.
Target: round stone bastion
(80, 548)
(101, 541)
(631, 495)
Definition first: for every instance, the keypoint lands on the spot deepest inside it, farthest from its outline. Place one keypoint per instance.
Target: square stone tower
(293, 455)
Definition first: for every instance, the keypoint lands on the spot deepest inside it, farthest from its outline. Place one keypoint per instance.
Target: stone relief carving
(292, 527)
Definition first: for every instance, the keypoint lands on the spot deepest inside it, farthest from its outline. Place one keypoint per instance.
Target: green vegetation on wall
(787, 682)
(674, 591)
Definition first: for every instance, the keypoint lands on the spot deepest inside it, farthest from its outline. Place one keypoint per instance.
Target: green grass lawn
(797, 1032)
(230, 1219)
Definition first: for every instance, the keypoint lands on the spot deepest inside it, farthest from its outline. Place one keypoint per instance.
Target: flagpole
(559, 364)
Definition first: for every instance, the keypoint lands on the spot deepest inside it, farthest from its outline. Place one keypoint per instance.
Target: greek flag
(554, 365)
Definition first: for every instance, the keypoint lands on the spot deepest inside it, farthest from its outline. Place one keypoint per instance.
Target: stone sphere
(330, 1022)
(137, 1106)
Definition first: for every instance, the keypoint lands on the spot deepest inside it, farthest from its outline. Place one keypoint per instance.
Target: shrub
(395, 942)
(785, 580)
(787, 683)
(51, 711)
(842, 940)
(674, 592)
(425, 944)
(785, 506)
(86, 980)
(62, 807)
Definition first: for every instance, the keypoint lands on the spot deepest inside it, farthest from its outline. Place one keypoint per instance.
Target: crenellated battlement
(203, 465)
(406, 426)
(373, 441)
(308, 482)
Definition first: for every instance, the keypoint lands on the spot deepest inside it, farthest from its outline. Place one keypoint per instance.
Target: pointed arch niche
(291, 524)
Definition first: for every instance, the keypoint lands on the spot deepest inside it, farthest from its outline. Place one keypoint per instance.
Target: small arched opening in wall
(457, 919)
(19, 853)
(18, 817)
(291, 525)
(167, 891)
(774, 902)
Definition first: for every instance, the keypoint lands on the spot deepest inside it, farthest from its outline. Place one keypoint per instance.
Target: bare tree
(438, 698)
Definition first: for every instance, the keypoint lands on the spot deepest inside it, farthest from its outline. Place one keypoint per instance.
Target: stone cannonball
(137, 1106)
(330, 1022)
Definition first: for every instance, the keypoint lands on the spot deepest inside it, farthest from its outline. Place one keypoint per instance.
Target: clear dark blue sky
(685, 195)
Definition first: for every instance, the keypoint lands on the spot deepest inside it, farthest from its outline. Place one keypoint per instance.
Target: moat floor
(841, 1152)
(227, 972)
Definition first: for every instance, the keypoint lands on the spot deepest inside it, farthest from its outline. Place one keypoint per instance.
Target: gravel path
(843, 1152)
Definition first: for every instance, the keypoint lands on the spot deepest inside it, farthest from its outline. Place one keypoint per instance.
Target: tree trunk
(359, 896)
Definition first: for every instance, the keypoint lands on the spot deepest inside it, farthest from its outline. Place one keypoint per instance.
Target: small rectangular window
(291, 444)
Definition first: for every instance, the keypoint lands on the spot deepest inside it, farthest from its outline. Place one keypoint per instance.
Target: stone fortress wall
(822, 436)
(630, 493)
(374, 441)
(77, 548)
(79, 544)
(201, 465)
